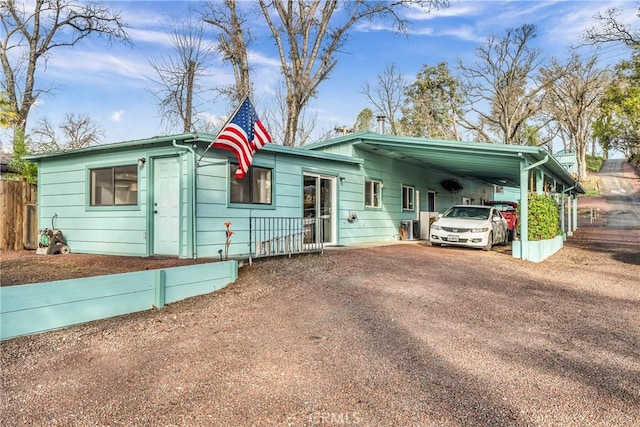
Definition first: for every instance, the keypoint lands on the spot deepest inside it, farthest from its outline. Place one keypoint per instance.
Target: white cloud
(117, 116)
(455, 10)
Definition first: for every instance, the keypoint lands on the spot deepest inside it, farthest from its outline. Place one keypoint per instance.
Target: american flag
(243, 135)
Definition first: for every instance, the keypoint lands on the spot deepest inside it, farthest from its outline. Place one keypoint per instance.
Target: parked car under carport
(473, 226)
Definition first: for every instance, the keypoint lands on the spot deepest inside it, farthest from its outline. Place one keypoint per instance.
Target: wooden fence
(19, 225)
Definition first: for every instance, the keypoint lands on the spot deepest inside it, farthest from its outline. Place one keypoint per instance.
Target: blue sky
(111, 83)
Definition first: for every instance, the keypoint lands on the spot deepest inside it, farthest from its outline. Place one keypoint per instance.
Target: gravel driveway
(402, 335)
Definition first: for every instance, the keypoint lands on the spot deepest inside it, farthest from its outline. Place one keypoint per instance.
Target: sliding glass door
(319, 209)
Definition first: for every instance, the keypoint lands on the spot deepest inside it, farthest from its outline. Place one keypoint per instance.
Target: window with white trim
(372, 194)
(114, 186)
(408, 194)
(254, 188)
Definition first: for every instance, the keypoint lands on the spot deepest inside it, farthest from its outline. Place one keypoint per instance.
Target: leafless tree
(388, 95)
(234, 40)
(573, 101)
(613, 30)
(77, 132)
(33, 30)
(177, 88)
(505, 78)
(309, 34)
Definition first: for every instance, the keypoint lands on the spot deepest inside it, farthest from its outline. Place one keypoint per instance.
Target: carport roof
(498, 164)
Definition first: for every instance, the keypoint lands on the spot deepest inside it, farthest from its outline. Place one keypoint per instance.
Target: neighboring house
(5, 159)
(157, 197)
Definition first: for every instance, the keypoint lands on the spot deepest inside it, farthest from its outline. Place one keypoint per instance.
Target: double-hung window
(114, 186)
(254, 188)
(408, 194)
(372, 194)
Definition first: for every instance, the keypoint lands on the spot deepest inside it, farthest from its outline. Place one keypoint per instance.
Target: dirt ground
(398, 335)
(23, 267)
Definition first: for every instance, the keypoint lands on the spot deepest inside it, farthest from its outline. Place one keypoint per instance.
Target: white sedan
(470, 225)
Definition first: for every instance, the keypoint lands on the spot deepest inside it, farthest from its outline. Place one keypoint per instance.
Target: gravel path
(402, 335)
(392, 336)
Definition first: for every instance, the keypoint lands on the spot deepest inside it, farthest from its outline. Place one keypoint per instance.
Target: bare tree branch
(388, 95)
(177, 89)
(35, 33)
(504, 78)
(613, 30)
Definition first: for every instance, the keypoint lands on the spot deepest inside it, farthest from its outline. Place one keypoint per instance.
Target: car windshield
(468, 212)
(503, 206)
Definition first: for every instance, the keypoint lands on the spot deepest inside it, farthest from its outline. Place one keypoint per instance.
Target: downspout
(524, 204)
(191, 205)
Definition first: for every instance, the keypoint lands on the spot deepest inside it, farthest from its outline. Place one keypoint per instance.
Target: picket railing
(274, 236)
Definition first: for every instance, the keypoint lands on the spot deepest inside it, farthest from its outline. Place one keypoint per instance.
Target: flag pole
(222, 128)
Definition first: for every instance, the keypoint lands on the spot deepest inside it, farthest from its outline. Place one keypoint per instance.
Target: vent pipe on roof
(381, 119)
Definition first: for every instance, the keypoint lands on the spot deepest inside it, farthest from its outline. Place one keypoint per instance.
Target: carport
(531, 169)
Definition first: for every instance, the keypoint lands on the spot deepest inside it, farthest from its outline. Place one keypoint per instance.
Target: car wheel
(505, 242)
(436, 244)
(489, 242)
(512, 235)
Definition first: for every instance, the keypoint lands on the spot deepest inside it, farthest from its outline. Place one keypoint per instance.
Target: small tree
(7, 115)
(618, 125)
(433, 104)
(364, 121)
(24, 169)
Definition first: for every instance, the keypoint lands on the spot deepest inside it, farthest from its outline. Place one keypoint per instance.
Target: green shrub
(594, 163)
(544, 219)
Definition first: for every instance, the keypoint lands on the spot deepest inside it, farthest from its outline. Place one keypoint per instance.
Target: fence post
(160, 283)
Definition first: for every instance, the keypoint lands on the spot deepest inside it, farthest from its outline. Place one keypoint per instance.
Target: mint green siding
(214, 208)
(63, 202)
(204, 200)
(383, 224)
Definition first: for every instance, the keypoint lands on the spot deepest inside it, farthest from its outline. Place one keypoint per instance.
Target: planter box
(538, 250)
(38, 307)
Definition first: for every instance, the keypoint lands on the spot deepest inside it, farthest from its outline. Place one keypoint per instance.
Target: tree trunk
(189, 97)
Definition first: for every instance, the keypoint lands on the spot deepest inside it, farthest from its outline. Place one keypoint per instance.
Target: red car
(509, 211)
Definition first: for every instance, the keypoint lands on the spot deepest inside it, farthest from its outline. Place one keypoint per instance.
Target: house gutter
(191, 205)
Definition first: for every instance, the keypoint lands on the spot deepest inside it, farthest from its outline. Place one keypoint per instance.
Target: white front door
(166, 206)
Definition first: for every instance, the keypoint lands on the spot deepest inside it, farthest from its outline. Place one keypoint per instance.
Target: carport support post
(562, 214)
(575, 212)
(570, 217)
(539, 181)
(524, 210)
